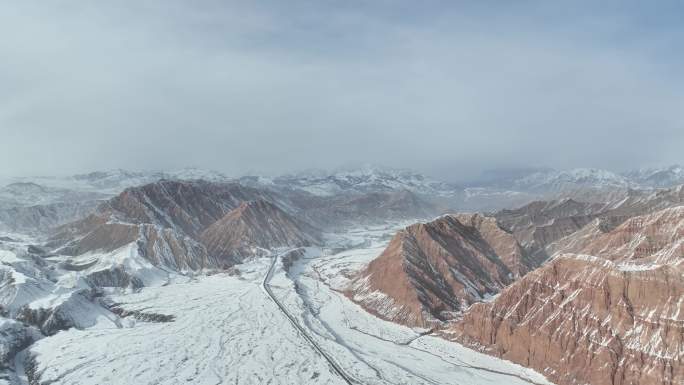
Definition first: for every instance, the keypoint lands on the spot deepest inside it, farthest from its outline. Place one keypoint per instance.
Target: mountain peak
(252, 227)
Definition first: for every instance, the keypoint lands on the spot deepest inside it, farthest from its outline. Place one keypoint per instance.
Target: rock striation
(431, 271)
(183, 225)
(607, 309)
(252, 227)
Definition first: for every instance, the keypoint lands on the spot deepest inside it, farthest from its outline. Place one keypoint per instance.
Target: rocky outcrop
(252, 228)
(431, 271)
(14, 337)
(77, 309)
(116, 276)
(164, 219)
(614, 317)
(142, 316)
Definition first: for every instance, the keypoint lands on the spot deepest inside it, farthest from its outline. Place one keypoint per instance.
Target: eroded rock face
(615, 317)
(164, 219)
(189, 206)
(115, 277)
(167, 247)
(253, 227)
(430, 271)
(652, 238)
(503, 242)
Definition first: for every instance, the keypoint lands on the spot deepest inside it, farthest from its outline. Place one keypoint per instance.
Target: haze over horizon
(449, 89)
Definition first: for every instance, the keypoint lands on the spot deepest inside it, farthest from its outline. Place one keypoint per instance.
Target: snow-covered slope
(224, 329)
(41, 295)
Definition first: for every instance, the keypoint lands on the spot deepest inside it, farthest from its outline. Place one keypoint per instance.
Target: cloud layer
(446, 87)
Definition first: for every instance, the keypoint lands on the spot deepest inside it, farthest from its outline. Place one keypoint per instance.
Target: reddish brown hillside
(431, 270)
(252, 228)
(612, 318)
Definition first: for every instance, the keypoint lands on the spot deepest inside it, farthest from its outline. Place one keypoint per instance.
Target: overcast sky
(445, 87)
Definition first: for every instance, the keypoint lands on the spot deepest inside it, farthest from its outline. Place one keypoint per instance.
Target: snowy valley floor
(227, 330)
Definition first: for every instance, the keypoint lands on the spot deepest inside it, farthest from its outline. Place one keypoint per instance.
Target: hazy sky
(446, 87)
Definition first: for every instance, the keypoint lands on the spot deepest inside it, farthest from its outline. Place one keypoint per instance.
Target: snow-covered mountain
(504, 185)
(365, 179)
(547, 180)
(36, 204)
(657, 177)
(25, 194)
(553, 180)
(112, 182)
(509, 189)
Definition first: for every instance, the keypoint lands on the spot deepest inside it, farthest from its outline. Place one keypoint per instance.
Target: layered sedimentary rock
(253, 227)
(166, 219)
(189, 206)
(504, 243)
(431, 271)
(539, 224)
(642, 238)
(607, 309)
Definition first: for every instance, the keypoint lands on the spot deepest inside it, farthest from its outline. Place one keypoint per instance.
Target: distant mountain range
(360, 180)
(41, 202)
